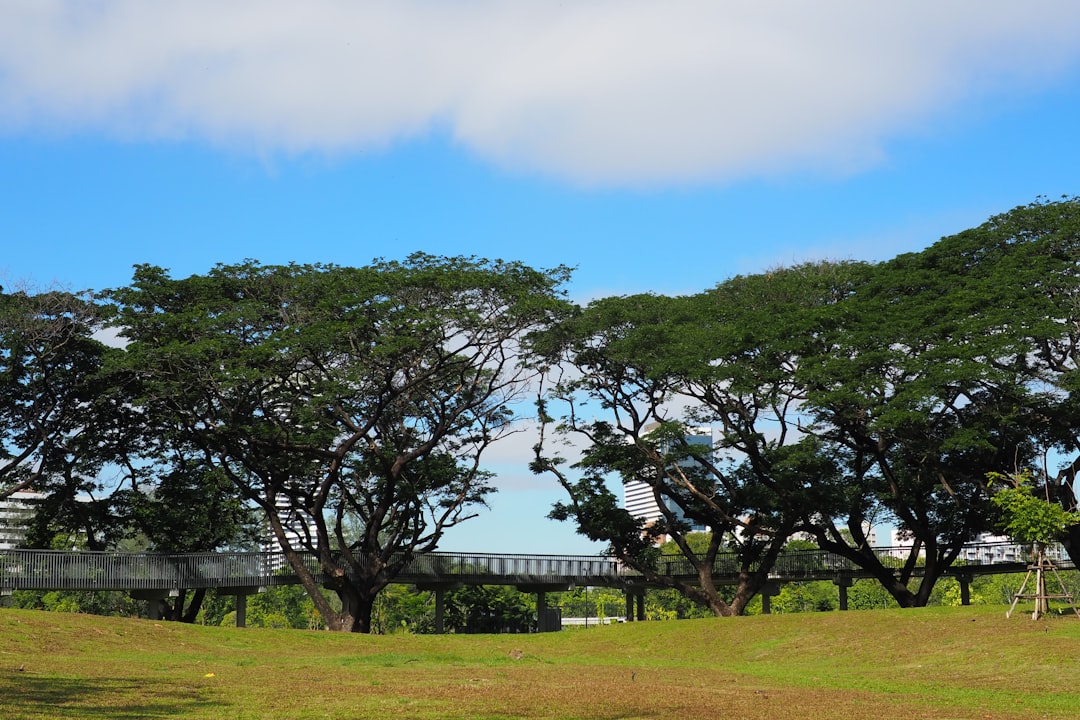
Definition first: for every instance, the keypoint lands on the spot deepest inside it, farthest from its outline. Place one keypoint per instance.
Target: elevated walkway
(85, 570)
(152, 575)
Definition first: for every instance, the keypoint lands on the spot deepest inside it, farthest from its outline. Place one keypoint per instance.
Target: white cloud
(592, 91)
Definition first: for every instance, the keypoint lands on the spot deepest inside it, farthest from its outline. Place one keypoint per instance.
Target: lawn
(929, 663)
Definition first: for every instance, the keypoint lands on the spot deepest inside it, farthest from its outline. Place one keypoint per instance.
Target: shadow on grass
(29, 696)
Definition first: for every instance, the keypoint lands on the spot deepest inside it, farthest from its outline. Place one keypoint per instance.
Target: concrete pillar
(965, 579)
(843, 583)
(440, 610)
(635, 603)
(545, 621)
(241, 594)
(153, 600)
(767, 591)
(439, 590)
(541, 608)
(241, 611)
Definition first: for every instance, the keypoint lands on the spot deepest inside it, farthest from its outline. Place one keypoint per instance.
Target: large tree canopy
(948, 364)
(49, 366)
(842, 396)
(658, 367)
(352, 405)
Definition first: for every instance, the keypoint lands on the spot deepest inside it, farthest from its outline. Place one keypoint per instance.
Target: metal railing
(86, 570)
(984, 558)
(56, 570)
(501, 568)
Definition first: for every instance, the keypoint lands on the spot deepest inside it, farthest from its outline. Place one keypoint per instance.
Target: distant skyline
(655, 147)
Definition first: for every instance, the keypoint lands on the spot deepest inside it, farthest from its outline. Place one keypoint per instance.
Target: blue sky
(655, 147)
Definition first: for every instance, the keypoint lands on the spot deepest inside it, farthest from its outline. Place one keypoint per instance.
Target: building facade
(639, 499)
(16, 511)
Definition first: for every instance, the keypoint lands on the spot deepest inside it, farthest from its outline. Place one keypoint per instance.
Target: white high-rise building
(15, 511)
(297, 529)
(638, 497)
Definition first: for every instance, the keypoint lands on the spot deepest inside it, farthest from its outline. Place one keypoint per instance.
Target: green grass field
(929, 663)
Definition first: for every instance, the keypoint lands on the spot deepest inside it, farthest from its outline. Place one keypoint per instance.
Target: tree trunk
(744, 593)
(1072, 544)
(174, 610)
(864, 558)
(192, 612)
(355, 613)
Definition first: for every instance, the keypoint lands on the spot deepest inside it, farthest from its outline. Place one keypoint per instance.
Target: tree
(1026, 517)
(403, 608)
(856, 394)
(282, 606)
(327, 393)
(796, 597)
(941, 366)
(658, 367)
(186, 506)
(72, 434)
(1038, 288)
(1038, 522)
(49, 365)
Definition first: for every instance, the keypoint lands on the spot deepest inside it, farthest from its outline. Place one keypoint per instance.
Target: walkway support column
(635, 603)
(843, 583)
(965, 578)
(768, 590)
(439, 589)
(440, 610)
(547, 620)
(241, 594)
(153, 600)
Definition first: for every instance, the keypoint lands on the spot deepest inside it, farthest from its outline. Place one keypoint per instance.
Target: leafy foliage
(352, 407)
(841, 396)
(489, 609)
(1027, 517)
(50, 363)
(329, 395)
(663, 366)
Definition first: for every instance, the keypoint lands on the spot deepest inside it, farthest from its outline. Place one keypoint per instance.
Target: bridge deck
(52, 570)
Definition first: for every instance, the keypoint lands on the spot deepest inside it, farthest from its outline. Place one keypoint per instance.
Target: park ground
(939, 663)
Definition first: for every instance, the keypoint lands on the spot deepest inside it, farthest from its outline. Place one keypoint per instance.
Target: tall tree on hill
(883, 394)
(70, 433)
(328, 393)
(657, 367)
(1032, 280)
(940, 369)
(181, 503)
(49, 381)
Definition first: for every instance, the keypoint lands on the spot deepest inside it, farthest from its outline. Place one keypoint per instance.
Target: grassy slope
(929, 663)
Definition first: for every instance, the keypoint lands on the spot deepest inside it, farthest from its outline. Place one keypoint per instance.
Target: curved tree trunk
(175, 610)
(355, 613)
(194, 606)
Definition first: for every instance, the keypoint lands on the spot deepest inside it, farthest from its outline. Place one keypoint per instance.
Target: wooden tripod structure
(1041, 567)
